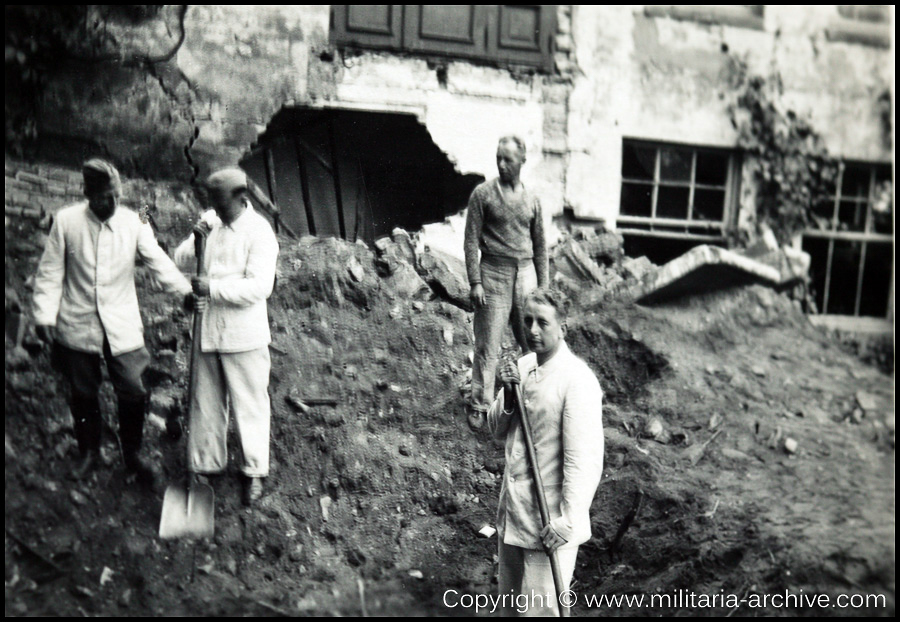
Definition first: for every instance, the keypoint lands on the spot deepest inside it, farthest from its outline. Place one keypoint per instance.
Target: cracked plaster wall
(662, 79)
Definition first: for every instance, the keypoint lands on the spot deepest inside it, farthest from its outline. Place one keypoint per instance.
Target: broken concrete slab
(637, 267)
(447, 276)
(703, 268)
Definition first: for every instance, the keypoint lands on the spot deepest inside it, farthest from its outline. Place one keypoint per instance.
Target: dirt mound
(378, 488)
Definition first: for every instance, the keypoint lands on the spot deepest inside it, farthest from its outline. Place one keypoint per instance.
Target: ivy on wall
(790, 164)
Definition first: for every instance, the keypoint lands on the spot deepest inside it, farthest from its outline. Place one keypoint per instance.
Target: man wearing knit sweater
(505, 226)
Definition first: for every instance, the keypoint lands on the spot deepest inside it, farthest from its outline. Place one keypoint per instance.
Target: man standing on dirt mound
(563, 401)
(504, 222)
(85, 304)
(239, 261)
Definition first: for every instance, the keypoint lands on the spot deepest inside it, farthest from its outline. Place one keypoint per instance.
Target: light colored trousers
(505, 288)
(525, 575)
(237, 382)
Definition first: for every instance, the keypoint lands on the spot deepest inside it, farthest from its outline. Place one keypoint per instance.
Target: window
(851, 243)
(676, 191)
(505, 34)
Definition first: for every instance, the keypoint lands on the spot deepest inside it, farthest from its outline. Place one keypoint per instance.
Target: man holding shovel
(85, 304)
(562, 402)
(505, 226)
(233, 368)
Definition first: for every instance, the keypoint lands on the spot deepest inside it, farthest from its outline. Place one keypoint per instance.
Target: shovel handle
(541, 497)
(199, 249)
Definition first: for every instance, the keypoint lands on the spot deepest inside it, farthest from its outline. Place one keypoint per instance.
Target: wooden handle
(199, 249)
(541, 497)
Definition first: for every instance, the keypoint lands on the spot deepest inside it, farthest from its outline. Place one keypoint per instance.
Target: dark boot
(86, 416)
(132, 413)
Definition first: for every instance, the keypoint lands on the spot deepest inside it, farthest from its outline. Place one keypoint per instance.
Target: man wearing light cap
(85, 304)
(233, 370)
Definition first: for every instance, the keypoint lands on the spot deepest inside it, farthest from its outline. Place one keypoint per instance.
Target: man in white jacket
(86, 305)
(563, 400)
(233, 370)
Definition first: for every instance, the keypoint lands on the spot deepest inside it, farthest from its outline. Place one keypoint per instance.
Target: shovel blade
(188, 513)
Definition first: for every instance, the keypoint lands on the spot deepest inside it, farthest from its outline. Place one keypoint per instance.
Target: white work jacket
(240, 261)
(85, 280)
(564, 404)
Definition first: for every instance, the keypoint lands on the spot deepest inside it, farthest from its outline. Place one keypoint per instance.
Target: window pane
(876, 279)
(709, 205)
(883, 208)
(636, 199)
(712, 168)
(855, 182)
(844, 277)
(852, 216)
(674, 165)
(672, 202)
(637, 162)
(822, 214)
(818, 253)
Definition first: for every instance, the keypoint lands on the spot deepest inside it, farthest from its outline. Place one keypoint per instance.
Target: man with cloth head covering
(85, 304)
(233, 370)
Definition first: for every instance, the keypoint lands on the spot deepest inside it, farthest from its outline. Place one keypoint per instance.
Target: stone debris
(447, 277)
(487, 531)
(790, 445)
(106, 575)
(735, 454)
(637, 268)
(325, 503)
(416, 574)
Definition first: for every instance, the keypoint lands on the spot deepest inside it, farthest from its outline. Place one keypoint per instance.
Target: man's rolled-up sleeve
(582, 451)
(258, 279)
(498, 419)
(48, 282)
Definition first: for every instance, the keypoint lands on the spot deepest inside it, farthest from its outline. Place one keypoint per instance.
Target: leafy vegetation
(788, 158)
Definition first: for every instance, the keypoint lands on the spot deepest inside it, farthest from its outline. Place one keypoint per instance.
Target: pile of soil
(374, 504)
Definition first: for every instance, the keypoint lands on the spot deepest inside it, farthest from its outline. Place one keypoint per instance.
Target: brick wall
(40, 189)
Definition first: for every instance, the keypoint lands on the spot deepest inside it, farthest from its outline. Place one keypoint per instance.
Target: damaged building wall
(661, 74)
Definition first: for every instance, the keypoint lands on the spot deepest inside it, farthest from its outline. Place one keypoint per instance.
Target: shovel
(541, 497)
(189, 509)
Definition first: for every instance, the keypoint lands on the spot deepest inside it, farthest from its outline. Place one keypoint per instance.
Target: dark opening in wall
(355, 175)
(659, 250)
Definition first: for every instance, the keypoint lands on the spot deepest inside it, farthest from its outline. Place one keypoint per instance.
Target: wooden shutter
(453, 30)
(368, 25)
(523, 33)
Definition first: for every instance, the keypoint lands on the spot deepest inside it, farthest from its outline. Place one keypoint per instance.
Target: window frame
(713, 230)
(865, 237)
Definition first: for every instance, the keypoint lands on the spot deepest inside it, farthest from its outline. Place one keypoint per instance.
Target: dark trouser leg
(82, 371)
(125, 372)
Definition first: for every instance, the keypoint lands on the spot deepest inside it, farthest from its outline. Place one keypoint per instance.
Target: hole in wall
(355, 174)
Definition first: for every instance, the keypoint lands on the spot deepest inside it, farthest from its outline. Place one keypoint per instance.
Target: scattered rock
(404, 449)
(790, 445)
(416, 574)
(447, 277)
(78, 498)
(734, 454)
(125, 598)
(636, 268)
(296, 553)
(714, 421)
(867, 401)
(325, 503)
(487, 531)
(856, 416)
(106, 576)
(759, 371)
